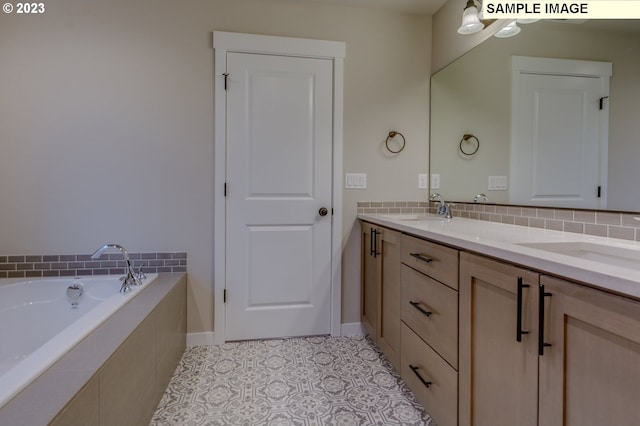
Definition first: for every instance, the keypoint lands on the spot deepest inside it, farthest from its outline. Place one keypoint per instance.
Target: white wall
(106, 123)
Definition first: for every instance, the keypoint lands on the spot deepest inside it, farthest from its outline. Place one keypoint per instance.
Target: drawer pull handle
(417, 306)
(519, 330)
(422, 257)
(415, 371)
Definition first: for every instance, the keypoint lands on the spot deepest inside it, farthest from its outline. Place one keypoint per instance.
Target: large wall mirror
(473, 96)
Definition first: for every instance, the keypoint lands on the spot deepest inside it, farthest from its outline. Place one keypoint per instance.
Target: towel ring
(467, 138)
(392, 134)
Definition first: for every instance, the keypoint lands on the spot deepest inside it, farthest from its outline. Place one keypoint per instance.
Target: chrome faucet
(441, 206)
(479, 197)
(130, 278)
(444, 208)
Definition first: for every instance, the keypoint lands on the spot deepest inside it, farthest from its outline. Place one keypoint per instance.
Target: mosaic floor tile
(299, 381)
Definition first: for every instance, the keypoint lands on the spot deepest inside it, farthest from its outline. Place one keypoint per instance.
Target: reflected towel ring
(392, 134)
(467, 138)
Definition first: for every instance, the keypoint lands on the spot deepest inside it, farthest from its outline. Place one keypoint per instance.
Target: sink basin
(618, 256)
(402, 216)
(409, 217)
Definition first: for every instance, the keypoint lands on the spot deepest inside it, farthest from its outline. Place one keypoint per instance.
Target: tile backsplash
(624, 226)
(69, 265)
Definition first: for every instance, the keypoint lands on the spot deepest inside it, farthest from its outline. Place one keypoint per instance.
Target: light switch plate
(497, 183)
(355, 181)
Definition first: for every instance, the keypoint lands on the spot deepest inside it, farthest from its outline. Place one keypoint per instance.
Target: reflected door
(559, 141)
(279, 176)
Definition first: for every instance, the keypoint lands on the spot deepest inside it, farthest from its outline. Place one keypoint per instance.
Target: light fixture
(510, 30)
(470, 19)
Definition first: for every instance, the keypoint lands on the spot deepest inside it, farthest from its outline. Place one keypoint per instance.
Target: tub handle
(140, 275)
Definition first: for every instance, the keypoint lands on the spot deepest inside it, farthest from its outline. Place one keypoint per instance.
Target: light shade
(470, 20)
(509, 31)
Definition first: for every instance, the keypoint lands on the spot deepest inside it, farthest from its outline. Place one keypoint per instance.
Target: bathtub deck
(43, 401)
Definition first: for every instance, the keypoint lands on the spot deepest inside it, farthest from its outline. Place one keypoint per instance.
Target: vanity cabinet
(380, 310)
(481, 341)
(429, 314)
(590, 375)
(538, 350)
(498, 368)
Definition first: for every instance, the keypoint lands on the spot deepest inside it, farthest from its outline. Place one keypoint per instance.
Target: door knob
(323, 211)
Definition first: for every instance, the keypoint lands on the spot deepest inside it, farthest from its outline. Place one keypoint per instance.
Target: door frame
(565, 67)
(224, 42)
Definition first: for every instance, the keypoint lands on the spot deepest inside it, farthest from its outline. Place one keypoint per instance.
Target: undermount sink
(618, 256)
(409, 217)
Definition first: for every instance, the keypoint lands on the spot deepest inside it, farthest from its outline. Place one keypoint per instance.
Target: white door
(558, 142)
(279, 177)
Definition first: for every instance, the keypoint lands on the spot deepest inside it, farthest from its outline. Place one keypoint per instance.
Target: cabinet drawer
(441, 397)
(439, 262)
(431, 310)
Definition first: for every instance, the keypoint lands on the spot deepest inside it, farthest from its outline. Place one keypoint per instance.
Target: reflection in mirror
(473, 95)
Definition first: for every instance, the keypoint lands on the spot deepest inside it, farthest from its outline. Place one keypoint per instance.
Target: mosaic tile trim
(298, 381)
(624, 226)
(70, 265)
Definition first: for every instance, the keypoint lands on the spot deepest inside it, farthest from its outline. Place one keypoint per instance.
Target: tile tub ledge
(47, 397)
(502, 241)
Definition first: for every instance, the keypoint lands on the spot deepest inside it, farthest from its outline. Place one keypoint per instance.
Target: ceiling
(422, 7)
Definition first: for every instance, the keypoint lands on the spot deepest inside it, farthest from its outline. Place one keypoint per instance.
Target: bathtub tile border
(591, 222)
(69, 265)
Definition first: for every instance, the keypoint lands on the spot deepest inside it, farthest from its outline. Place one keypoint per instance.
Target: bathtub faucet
(128, 280)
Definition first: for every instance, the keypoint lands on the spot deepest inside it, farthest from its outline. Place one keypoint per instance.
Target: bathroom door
(279, 191)
(559, 133)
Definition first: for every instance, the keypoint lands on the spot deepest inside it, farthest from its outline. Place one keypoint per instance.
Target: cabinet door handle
(371, 241)
(541, 342)
(422, 257)
(417, 306)
(519, 330)
(374, 236)
(415, 371)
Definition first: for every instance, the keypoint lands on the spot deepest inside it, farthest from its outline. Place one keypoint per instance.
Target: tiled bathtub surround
(65, 265)
(592, 222)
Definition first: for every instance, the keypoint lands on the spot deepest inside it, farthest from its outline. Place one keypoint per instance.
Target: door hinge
(224, 296)
(602, 101)
(225, 189)
(599, 191)
(226, 76)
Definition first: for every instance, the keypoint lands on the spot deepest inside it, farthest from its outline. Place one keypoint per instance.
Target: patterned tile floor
(298, 381)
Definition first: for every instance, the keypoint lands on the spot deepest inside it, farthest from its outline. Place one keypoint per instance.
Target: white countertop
(502, 241)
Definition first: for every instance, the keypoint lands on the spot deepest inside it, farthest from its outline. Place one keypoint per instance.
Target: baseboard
(200, 339)
(352, 329)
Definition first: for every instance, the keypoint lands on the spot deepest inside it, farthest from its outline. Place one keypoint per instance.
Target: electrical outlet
(435, 181)
(422, 181)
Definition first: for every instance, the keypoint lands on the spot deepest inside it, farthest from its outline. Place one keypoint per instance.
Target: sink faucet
(444, 208)
(480, 197)
(442, 205)
(130, 278)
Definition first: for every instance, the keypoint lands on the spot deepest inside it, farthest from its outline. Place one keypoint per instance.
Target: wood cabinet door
(370, 287)
(498, 375)
(590, 375)
(388, 337)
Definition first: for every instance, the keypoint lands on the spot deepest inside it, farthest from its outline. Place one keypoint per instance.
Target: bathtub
(40, 322)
